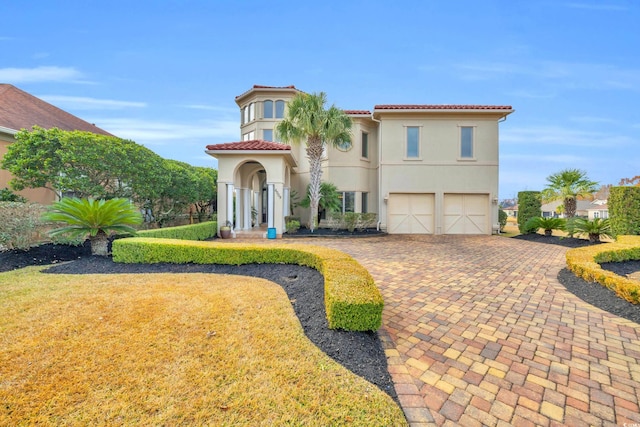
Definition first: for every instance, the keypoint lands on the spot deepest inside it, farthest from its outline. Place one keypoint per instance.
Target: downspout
(380, 197)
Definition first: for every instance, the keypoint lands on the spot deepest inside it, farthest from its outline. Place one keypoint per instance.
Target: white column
(229, 203)
(246, 193)
(256, 204)
(270, 206)
(285, 201)
(238, 222)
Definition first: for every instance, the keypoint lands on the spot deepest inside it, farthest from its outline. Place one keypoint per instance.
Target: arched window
(267, 109)
(279, 109)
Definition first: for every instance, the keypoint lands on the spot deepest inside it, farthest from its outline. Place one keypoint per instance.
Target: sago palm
(567, 185)
(307, 120)
(547, 224)
(595, 229)
(94, 218)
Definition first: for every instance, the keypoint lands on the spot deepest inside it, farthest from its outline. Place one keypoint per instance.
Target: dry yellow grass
(168, 349)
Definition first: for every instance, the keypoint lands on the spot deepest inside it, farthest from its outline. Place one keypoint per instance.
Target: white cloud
(149, 132)
(212, 108)
(41, 74)
(593, 119)
(85, 103)
(559, 136)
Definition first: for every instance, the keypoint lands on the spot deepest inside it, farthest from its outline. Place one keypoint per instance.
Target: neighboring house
(20, 110)
(424, 169)
(598, 209)
(511, 211)
(550, 210)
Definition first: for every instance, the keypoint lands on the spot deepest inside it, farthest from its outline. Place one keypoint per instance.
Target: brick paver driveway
(482, 333)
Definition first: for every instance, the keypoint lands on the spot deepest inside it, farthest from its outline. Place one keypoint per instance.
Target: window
(365, 202)
(267, 108)
(344, 145)
(249, 136)
(252, 111)
(413, 142)
(279, 109)
(267, 134)
(348, 199)
(466, 142)
(365, 145)
(596, 214)
(244, 114)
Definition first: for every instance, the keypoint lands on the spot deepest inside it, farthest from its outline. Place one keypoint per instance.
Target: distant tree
(603, 192)
(307, 120)
(7, 195)
(206, 190)
(634, 181)
(567, 185)
(34, 159)
(96, 219)
(528, 207)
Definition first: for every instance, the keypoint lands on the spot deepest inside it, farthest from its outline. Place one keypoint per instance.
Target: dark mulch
(592, 292)
(360, 352)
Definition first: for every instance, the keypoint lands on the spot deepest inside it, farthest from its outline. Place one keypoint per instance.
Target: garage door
(466, 214)
(410, 214)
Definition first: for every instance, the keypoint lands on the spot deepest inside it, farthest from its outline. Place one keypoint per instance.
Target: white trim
(8, 130)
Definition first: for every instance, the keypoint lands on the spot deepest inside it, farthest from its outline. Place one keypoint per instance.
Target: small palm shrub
(94, 218)
(293, 226)
(547, 224)
(595, 229)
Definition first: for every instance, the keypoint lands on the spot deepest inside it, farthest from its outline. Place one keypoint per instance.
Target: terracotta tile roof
(268, 87)
(253, 145)
(441, 107)
(20, 110)
(354, 112)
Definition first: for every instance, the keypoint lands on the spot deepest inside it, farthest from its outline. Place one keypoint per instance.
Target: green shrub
(293, 226)
(21, 223)
(529, 205)
(624, 210)
(502, 219)
(547, 224)
(350, 220)
(352, 300)
(7, 195)
(201, 231)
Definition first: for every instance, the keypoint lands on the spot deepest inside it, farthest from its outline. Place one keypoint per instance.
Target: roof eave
(286, 153)
(8, 130)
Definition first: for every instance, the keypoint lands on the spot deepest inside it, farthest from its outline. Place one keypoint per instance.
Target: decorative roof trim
(252, 145)
(443, 107)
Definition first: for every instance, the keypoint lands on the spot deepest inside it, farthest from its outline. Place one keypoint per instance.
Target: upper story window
(279, 109)
(466, 142)
(249, 136)
(344, 145)
(365, 145)
(268, 109)
(267, 134)
(247, 113)
(413, 142)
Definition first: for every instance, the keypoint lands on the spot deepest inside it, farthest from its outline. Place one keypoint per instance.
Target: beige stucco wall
(439, 169)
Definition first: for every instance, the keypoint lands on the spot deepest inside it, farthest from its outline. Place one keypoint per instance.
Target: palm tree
(567, 185)
(308, 120)
(95, 218)
(547, 224)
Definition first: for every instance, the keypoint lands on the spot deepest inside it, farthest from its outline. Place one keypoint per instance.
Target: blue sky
(165, 73)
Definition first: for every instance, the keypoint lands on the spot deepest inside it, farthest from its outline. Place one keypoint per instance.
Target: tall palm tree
(308, 120)
(567, 185)
(94, 218)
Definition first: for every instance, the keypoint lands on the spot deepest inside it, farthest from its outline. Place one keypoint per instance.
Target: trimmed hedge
(529, 205)
(201, 231)
(585, 263)
(624, 210)
(352, 300)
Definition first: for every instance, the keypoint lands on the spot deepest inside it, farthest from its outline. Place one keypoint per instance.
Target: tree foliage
(329, 198)
(307, 120)
(567, 185)
(86, 165)
(633, 181)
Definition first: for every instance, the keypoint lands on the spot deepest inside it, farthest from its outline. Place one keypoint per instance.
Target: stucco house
(423, 169)
(20, 110)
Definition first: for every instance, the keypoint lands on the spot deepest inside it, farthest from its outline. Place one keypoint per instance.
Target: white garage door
(410, 213)
(466, 214)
